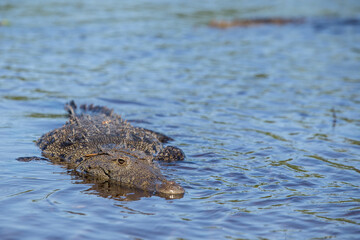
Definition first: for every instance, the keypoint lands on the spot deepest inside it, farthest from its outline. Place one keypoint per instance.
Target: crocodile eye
(121, 161)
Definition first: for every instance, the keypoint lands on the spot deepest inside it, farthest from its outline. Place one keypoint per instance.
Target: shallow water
(268, 116)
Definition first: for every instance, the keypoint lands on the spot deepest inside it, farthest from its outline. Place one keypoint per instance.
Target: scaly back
(94, 128)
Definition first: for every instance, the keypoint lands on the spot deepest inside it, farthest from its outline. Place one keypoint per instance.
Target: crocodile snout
(169, 188)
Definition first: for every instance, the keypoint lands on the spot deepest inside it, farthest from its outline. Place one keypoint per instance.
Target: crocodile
(318, 23)
(98, 143)
(253, 22)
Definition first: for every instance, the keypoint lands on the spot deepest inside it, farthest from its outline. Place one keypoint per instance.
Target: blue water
(268, 116)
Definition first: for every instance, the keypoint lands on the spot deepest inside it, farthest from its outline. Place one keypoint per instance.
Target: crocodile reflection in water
(100, 145)
(111, 190)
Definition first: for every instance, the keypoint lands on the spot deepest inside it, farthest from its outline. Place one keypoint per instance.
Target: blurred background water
(268, 116)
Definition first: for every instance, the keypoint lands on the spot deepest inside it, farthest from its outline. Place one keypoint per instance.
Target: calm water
(268, 116)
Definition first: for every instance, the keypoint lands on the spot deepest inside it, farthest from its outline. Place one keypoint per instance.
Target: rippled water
(268, 116)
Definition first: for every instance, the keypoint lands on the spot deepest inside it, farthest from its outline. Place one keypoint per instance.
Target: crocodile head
(129, 169)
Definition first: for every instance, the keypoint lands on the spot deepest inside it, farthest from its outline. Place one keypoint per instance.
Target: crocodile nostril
(170, 187)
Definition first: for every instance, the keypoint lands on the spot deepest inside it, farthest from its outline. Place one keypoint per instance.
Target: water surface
(268, 116)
